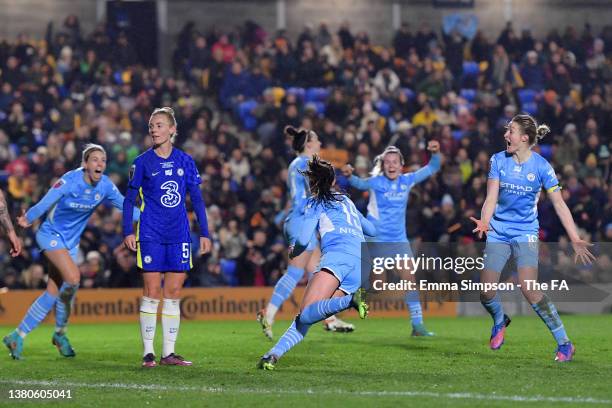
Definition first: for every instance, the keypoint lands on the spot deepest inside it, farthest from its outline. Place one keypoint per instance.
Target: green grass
(377, 365)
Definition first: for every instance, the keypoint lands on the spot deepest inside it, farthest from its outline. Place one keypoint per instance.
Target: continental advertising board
(122, 305)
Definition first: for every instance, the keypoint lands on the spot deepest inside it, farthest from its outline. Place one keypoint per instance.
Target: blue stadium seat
(229, 271)
(249, 123)
(526, 95)
(468, 94)
(384, 108)
(319, 107)
(546, 151)
(409, 93)
(530, 108)
(245, 108)
(246, 116)
(299, 92)
(470, 69)
(118, 78)
(316, 94)
(457, 134)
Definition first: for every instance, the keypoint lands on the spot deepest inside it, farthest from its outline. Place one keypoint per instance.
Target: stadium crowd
(234, 92)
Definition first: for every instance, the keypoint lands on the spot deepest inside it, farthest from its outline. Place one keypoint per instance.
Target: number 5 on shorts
(185, 252)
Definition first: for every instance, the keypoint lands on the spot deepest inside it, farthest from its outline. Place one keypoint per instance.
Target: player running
(68, 206)
(306, 144)
(509, 219)
(389, 193)
(161, 177)
(336, 286)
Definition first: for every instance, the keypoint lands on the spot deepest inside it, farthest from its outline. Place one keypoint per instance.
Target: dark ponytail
(321, 176)
(300, 137)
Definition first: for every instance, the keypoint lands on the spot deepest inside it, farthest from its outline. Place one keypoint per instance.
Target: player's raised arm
(6, 226)
(434, 163)
(355, 181)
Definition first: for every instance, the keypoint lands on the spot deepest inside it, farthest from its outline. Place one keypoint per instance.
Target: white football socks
(171, 320)
(148, 322)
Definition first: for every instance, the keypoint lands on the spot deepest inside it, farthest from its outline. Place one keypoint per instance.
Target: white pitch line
(220, 390)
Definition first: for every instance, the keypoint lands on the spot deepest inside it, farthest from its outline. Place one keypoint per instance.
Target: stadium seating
(526, 96)
(468, 94)
(245, 112)
(470, 69)
(383, 107)
(316, 94)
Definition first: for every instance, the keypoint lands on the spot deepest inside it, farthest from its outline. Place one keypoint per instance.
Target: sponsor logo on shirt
(516, 188)
(79, 206)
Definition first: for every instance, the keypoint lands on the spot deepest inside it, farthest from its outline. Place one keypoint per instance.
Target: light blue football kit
(341, 228)
(67, 205)
(514, 225)
(299, 192)
(514, 229)
(389, 199)
(387, 211)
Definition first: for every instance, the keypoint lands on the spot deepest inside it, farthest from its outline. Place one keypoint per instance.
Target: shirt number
(352, 216)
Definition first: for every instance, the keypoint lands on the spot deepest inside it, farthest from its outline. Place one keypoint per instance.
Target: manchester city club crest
(530, 176)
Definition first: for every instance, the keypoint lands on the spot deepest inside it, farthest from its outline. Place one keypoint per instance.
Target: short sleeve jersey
(519, 189)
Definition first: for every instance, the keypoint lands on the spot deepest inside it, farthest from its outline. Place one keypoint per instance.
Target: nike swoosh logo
(155, 174)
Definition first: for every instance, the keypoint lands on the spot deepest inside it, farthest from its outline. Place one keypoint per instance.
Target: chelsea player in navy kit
(161, 177)
(68, 206)
(509, 218)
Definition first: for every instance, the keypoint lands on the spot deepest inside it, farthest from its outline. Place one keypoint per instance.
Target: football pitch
(377, 365)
